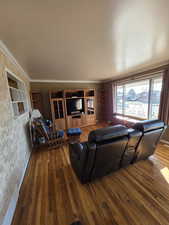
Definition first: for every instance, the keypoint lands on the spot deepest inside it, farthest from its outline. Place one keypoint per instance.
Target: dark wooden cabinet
(73, 108)
(36, 99)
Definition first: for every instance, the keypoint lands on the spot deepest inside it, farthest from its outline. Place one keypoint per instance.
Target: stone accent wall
(14, 143)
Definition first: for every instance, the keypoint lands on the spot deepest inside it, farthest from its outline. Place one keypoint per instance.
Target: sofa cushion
(108, 133)
(149, 125)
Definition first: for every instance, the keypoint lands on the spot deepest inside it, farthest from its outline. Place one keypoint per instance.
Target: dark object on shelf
(75, 105)
(58, 94)
(12, 83)
(21, 108)
(111, 148)
(42, 133)
(74, 94)
(90, 93)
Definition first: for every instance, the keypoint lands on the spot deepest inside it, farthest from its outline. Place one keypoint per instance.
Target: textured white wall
(14, 142)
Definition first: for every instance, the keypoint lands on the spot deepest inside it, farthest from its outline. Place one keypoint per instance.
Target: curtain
(108, 107)
(164, 103)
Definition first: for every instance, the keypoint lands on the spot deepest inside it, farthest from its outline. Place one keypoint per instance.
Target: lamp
(35, 114)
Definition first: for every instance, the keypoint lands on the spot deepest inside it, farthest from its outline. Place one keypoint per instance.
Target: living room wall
(44, 89)
(14, 144)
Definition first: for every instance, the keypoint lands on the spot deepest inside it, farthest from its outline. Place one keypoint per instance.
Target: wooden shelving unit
(58, 109)
(73, 108)
(17, 93)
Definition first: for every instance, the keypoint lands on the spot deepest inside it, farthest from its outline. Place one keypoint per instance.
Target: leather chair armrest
(78, 148)
(130, 151)
(78, 157)
(82, 158)
(91, 146)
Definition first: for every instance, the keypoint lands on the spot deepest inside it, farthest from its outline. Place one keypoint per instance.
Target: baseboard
(24, 171)
(11, 209)
(12, 205)
(164, 142)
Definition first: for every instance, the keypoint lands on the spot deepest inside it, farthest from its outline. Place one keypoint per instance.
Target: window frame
(25, 101)
(157, 75)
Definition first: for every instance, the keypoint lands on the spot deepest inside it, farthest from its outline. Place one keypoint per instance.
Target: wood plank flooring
(52, 195)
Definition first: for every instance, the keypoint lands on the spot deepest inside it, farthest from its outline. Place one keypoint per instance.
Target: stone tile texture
(14, 142)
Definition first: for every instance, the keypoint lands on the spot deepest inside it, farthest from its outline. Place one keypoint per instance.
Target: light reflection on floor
(165, 173)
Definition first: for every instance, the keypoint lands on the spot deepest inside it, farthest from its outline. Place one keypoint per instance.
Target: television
(75, 106)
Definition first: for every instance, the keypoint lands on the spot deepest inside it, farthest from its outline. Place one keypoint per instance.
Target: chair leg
(56, 143)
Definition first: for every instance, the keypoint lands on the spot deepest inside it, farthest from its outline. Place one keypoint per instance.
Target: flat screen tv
(74, 106)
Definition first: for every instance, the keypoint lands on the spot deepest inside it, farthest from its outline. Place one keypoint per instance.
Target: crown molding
(147, 69)
(66, 81)
(9, 55)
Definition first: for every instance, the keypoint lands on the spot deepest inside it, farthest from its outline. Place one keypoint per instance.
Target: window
(139, 99)
(18, 95)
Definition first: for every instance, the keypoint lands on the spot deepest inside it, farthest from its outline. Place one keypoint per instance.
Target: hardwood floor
(52, 195)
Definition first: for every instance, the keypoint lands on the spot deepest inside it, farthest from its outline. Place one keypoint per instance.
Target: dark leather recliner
(111, 148)
(151, 134)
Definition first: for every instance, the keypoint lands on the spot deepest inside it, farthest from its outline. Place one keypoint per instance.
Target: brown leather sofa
(111, 148)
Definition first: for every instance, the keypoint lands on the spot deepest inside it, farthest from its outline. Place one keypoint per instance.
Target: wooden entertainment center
(73, 108)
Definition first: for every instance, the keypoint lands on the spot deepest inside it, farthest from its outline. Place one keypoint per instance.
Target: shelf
(90, 97)
(14, 88)
(17, 101)
(76, 117)
(74, 97)
(56, 99)
(90, 93)
(74, 94)
(56, 94)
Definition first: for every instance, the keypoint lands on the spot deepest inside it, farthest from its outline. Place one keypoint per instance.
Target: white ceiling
(85, 39)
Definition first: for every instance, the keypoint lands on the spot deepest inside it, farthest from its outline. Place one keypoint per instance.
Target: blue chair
(44, 134)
